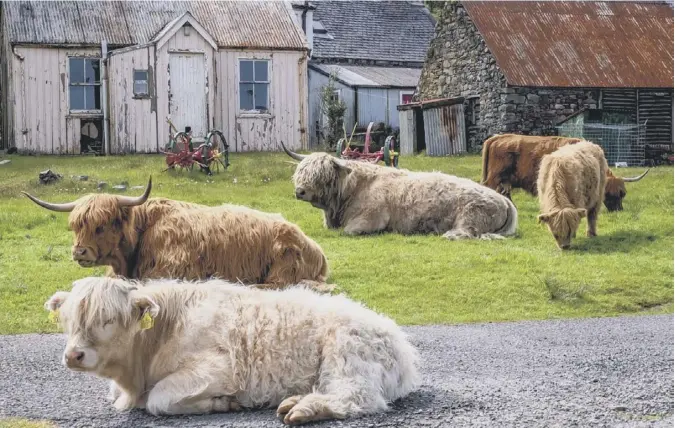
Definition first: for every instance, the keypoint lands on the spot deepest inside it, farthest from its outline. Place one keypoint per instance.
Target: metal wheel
(340, 147)
(218, 150)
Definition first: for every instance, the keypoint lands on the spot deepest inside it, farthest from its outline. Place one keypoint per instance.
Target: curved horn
(292, 154)
(128, 201)
(634, 179)
(62, 208)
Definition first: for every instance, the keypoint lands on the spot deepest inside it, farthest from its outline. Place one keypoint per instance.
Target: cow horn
(634, 179)
(62, 208)
(128, 201)
(292, 154)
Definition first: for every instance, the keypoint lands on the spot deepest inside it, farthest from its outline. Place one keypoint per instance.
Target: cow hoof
(124, 402)
(299, 416)
(287, 405)
(591, 234)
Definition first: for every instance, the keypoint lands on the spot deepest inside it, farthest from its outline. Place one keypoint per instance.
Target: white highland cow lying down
(176, 347)
(363, 198)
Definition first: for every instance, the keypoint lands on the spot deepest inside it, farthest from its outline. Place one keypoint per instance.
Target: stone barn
(525, 67)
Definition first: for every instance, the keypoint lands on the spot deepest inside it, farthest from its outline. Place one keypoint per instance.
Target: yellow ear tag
(54, 316)
(147, 321)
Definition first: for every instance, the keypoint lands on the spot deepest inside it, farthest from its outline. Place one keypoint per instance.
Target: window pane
(246, 96)
(140, 88)
(261, 71)
(92, 97)
(261, 96)
(77, 97)
(92, 71)
(246, 71)
(76, 69)
(140, 75)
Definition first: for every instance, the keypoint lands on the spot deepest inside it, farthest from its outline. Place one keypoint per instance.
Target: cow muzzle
(85, 256)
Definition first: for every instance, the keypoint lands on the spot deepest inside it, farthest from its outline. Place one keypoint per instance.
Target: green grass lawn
(628, 268)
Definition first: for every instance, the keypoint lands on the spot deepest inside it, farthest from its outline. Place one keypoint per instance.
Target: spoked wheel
(217, 151)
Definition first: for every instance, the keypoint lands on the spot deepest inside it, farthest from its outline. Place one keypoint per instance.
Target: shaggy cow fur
(163, 238)
(512, 161)
(570, 186)
(216, 346)
(365, 198)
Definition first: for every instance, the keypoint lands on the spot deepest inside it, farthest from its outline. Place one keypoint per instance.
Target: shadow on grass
(617, 242)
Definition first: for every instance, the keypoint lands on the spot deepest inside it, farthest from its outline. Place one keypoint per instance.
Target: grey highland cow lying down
(175, 347)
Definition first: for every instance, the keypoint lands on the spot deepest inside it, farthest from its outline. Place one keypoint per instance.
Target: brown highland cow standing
(570, 186)
(512, 161)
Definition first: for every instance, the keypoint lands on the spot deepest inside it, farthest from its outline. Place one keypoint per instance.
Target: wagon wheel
(390, 155)
(218, 151)
(340, 147)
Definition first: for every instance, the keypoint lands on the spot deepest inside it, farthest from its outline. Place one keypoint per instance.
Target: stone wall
(460, 64)
(536, 111)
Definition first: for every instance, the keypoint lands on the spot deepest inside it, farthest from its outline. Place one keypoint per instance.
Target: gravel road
(614, 372)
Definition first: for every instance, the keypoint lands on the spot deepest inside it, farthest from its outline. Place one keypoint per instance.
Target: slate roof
(593, 44)
(376, 30)
(373, 77)
(245, 24)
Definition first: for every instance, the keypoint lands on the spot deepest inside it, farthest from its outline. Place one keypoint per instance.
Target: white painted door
(187, 92)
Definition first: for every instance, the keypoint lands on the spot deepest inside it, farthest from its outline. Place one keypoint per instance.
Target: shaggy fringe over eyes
(564, 222)
(93, 211)
(315, 170)
(94, 301)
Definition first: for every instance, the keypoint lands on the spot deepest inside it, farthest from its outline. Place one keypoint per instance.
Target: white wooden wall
(133, 121)
(288, 103)
(42, 121)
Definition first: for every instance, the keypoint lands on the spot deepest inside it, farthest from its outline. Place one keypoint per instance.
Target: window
(406, 97)
(85, 83)
(254, 85)
(141, 88)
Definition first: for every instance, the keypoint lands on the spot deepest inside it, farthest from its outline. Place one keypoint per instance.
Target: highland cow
(176, 347)
(363, 198)
(512, 161)
(141, 238)
(570, 186)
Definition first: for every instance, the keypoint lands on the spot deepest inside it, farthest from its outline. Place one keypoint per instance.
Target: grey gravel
(608, 372)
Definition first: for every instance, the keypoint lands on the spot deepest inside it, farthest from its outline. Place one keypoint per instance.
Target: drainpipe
(104, 95)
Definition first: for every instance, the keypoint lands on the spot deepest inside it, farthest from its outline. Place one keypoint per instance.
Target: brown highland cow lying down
(144, 237)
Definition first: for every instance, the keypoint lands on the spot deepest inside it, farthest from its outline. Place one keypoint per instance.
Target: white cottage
(99, 76)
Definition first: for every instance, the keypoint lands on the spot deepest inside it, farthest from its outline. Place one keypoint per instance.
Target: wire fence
(624, 145)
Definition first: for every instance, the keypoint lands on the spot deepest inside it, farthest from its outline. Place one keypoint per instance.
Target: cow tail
(511, 223)
(485, 157)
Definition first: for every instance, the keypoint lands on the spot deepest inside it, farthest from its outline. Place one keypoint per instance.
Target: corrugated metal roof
(578, 43)
(254, 24)
(356, 75)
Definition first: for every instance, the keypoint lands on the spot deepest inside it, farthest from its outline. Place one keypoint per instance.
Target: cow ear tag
(147, 321)
(54, 316)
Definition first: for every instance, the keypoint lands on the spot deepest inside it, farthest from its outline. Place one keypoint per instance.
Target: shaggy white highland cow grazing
(176, 347)
(364, 198)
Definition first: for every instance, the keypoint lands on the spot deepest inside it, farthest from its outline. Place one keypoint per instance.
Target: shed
(85, 76)
(371, 94)
(436, 126)
(556, 59)
(378, 49)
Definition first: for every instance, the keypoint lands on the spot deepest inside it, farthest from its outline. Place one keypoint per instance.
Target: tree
(333, 109)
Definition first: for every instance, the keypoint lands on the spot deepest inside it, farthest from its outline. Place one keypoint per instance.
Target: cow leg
(114, 391)
(593, 221)
(372, 221)
(312, 407)
(187, 392)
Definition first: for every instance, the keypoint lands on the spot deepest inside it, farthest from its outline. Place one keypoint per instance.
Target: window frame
(268, 82)
(402, 93)
(140, 95)
(85, 84)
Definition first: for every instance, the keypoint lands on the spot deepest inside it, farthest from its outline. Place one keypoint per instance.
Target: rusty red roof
(579, 43)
